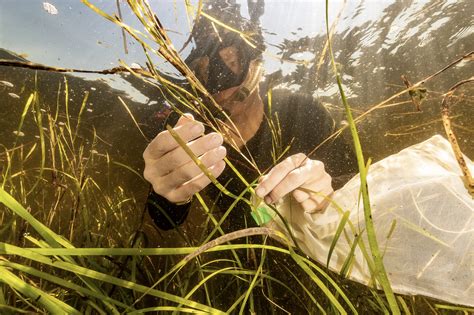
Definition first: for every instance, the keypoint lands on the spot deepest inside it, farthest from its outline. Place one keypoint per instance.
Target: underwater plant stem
(380, 272)
(53, 305)
(467, 177)
(384, 103)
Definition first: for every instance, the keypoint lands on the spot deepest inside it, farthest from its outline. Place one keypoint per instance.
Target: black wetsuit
(304, 123)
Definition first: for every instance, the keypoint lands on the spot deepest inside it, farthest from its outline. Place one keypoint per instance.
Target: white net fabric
(423, 216)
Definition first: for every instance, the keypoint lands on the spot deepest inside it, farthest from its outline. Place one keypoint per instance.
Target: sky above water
(77, 37)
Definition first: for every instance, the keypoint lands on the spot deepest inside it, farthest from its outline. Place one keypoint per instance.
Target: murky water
(375, 43)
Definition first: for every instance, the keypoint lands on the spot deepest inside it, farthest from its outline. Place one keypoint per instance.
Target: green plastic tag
(261, 215)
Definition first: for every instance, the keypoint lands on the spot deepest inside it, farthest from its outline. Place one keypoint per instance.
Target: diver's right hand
(171, 171)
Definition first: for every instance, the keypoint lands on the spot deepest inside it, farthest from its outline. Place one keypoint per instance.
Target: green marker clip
(262, 214)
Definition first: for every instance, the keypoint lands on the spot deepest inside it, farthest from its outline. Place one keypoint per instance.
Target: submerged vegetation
(73, 237)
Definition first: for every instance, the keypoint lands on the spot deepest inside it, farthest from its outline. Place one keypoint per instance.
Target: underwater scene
(236, 157)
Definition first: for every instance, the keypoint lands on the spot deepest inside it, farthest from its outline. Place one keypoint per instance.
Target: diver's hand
(297, 171)
(173, 174)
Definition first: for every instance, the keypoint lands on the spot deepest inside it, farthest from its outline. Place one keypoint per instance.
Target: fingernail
(189, 116)
(268, 200)
(198, 128)
(260, 192)
(222, 151)
(215, 138)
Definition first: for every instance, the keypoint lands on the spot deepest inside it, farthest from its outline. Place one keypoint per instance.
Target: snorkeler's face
(232, 87)
(230, 56)
(246, 115)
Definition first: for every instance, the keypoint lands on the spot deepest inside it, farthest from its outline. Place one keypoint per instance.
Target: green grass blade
(52, 238)
(253, 283)
(92, 274)
(339, 230)
(59, 281)
(380, 272)
(455, 308)
(160, 309)
(404, 305)
(318, 282)
(20, 125)
(50, 303)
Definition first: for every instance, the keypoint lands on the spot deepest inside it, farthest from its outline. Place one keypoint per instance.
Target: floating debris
(51, 9)
(93, 88)
(90, 110)
(6, 83)
(19, 133)
(13, 95)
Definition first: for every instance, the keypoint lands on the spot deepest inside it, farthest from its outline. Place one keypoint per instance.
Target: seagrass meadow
(75, 118)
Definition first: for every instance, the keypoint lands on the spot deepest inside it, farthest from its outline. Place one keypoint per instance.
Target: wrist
(181, 203)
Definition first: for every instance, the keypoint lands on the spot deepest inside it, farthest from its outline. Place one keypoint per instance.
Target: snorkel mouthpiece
(249, 85)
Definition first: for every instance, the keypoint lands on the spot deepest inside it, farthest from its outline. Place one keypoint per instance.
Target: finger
(309, 205)
(178, 157)
(184, 119)
(322, 199)
(292, 181)
(300, 195)
(190, 170)
(196, 184)
(164, 141)
(280, 171)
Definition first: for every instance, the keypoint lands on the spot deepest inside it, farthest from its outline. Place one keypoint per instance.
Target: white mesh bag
(423, 217)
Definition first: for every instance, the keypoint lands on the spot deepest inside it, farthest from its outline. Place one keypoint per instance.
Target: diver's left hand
(297, 171)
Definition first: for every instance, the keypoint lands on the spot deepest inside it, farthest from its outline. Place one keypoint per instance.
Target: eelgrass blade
(133, 118)
(129, 169)
(318, 282)
(61, 282)
(52, 238)
(92, 274)
(350, 256)
(47, 234)
(380, 273)
(39, 121)
(381, 303)
(47, 301)
(81, 110)
(160, 309)
(310, 295)
(253, 283)
(404, 305)
(340, 228)
(217, 226)
(466, 309)
(10, 310)
(20, 125)
(205, 279)
(5, 249)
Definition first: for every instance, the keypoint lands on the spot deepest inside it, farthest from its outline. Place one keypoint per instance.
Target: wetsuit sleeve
(166, 215)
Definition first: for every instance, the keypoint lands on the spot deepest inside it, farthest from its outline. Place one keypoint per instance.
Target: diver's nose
(230, 56)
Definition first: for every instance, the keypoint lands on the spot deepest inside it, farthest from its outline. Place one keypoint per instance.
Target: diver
(228, 66)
